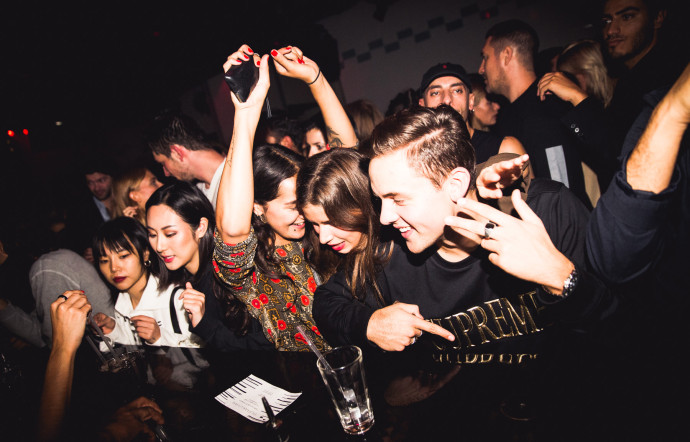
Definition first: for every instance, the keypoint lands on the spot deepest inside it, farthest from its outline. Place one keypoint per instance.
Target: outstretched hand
(500, 175)
(521, 247)
(291, 62)
(395, 327)
(245, 54)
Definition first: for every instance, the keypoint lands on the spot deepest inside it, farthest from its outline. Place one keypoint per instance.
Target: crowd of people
(484, 214)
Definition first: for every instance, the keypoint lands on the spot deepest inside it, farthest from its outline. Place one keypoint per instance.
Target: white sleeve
(183, 339)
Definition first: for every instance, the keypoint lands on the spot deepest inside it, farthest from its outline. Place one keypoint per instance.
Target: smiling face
(123, 269)
(175, 241)
(281, 213)
(100, 185)
(409, 202)
(448, 90)
(340, 240)
(628, 29)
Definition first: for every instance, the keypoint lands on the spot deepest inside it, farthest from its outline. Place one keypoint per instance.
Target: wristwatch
(568, 285)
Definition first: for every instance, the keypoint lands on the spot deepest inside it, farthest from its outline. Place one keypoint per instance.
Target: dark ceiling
(107, 64)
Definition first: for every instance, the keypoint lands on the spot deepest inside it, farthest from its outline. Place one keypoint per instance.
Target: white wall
(381, 73)
(385, 74)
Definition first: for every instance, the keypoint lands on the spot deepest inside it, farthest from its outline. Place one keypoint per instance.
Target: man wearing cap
(448, 83)
(551, 136)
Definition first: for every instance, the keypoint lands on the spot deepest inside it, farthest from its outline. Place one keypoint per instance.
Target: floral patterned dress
(280, 303)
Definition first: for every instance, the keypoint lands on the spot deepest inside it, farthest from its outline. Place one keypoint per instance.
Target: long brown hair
(337, 181)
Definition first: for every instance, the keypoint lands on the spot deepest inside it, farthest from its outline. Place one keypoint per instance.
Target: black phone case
(241, 79)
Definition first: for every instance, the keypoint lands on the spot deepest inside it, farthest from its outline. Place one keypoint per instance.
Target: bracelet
(568, 285)
(317, 77)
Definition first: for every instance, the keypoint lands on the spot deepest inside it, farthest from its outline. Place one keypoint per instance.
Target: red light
(25, 131)
(10, 133)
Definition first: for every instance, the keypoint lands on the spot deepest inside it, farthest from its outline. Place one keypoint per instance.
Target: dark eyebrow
(389, 195)
(459, 83)
(628, 9)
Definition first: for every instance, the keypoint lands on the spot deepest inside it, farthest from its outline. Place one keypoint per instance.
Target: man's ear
(288, 142)
(421, 102)
(507, 54)
(458, 183)
(258, 209)
(470, 103)
(201, 228)
(178, 152)
(659, 19)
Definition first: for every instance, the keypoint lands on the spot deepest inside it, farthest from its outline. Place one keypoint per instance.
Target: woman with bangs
(146, 310)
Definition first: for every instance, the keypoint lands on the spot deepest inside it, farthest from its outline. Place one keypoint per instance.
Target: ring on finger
(488, 229)
(63, 297)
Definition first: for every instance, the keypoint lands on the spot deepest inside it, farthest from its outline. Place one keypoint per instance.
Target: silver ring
(414, 339)
(62, 296)
(488, 228)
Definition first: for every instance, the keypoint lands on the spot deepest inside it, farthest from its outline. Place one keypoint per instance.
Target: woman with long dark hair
(258, 252)
(180, 222)
(145, 306)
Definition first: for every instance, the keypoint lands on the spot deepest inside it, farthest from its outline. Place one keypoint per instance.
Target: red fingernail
(250, 50)
(258, 62)
(246, 57)
(288, 48)
(274, 52)
(300, 61)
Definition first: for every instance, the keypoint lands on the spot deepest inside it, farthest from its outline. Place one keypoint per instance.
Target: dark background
(104, 69)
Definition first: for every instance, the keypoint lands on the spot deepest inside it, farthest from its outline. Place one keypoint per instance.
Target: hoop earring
(147, 263)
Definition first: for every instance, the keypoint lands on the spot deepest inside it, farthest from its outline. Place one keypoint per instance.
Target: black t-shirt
(552, 148)
(485, 145)
(490, 312)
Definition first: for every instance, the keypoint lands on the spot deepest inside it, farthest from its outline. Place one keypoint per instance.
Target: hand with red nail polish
(291, 62)
(257, 96)
(274, 52)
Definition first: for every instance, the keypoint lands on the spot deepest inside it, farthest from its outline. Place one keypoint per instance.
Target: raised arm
(236, 192)
(290, 62)
(68, 314)
(652, 162)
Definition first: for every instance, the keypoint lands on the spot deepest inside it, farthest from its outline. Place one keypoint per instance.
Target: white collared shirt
(154, 304)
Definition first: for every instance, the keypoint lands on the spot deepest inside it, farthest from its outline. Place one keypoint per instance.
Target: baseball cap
(444, 70)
